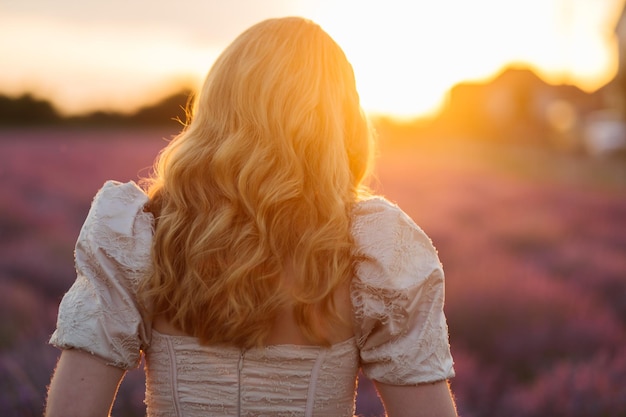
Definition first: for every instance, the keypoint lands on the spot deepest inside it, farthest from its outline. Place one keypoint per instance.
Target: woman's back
(395, 301)
(285, 329)
(290, 374)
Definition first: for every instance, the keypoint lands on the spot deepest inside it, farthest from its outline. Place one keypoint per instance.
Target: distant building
(518, 107)
(604, 131)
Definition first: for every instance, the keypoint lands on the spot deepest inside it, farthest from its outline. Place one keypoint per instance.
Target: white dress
(401, 336)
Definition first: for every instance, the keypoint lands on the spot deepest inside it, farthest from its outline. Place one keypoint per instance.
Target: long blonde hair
(261, 180)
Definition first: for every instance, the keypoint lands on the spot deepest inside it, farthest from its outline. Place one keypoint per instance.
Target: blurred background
(502, 131)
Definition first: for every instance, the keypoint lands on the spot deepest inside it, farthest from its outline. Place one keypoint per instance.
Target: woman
(256, 274)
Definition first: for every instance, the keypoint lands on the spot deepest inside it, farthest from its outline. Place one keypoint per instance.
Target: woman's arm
(424, 400)
(82, 385)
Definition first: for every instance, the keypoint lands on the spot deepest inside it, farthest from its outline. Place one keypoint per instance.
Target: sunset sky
(119, 54)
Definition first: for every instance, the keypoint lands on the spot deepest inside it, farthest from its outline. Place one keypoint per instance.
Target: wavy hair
(261, 181)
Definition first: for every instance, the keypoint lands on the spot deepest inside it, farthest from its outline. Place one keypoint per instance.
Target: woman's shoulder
(388, 239)
(119, 199)
(118, 225)
(378, 211)
(101, 313)
(397, 296)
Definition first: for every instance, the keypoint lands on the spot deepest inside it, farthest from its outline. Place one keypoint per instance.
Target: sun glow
(407, 55)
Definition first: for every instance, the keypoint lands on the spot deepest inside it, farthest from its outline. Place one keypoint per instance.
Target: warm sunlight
(406, 55)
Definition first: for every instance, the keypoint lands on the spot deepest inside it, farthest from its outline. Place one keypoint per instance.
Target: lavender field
(533, 246)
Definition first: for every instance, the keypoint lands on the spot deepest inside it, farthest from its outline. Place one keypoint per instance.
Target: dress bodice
(186, 379)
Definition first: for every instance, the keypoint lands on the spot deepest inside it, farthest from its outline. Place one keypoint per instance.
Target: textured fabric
(400, 331)
(100, 313)
(186, 379)
(397, 298)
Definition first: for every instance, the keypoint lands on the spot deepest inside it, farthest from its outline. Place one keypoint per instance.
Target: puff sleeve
(100, 313)
(398, 297)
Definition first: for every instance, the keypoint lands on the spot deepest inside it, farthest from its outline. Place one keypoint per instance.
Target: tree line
(27, 110)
